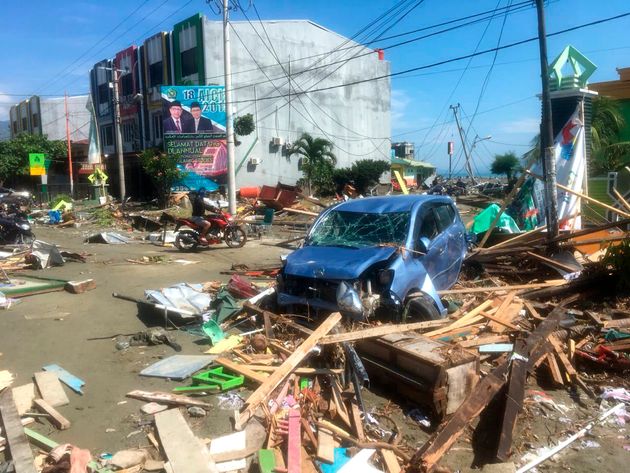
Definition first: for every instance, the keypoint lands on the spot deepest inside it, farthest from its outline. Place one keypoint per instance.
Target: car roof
(390, 203)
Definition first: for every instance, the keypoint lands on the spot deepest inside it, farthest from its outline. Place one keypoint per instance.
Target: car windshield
(359, 230)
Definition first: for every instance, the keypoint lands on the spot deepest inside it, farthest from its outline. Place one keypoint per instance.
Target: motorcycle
(15, 228)
(222, 229)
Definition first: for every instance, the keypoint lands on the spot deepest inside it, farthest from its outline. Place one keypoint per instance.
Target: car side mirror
(422, 245)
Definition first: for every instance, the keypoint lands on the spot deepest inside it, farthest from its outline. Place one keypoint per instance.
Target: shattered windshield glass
(359, 230)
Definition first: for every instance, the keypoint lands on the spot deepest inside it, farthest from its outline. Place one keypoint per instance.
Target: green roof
(412, 163)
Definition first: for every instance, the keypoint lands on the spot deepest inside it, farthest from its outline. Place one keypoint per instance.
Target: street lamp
(477, 139)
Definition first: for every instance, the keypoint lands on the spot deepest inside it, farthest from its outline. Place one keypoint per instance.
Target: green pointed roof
(582, 67)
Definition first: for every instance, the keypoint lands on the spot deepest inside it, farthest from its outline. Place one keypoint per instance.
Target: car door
(436, 259)
(452, 228)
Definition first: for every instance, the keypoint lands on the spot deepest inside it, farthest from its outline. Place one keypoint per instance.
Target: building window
(126, 85)
(107, 135)
(24, 124)
(35, 120)
(103, 93)
(158, 131)
(189, 62)
(127, 132)
(155, 74)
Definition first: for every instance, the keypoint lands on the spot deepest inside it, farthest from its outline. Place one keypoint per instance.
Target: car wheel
(420, 308)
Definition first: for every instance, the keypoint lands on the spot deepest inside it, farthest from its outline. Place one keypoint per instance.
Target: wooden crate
(428, 372)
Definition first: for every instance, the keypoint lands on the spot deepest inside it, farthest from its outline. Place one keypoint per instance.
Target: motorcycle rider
(199, 206)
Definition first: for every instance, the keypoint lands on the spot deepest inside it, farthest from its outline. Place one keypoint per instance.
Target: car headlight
(348, 299)
(24, 226)
(385, 277)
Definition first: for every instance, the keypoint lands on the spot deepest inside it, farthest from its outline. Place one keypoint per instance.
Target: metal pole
(119, 149)
(227, 66)
(69, 146)
(546, 130)
(461, 137)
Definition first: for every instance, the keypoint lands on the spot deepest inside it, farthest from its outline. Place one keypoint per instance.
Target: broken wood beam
(19, 448)
(380, 331)
(274, 380)
(584, 196)
(241, 369)
(55, 416)
(518, 287)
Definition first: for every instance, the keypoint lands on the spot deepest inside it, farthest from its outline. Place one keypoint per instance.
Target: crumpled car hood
(326, 262)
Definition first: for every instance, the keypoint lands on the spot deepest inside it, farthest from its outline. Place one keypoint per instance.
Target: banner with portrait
(193, 119)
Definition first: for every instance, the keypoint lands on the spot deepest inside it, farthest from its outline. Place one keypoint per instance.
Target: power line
(447, 61)
(61, 73)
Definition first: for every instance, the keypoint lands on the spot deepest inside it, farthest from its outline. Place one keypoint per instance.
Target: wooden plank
(555, 370)
(357, 423)
(428, 456)
(67, 378)
(584, 196)
(51, 389)
(294, 443)
(518, 287)
(551, 262)
(513, 401)
(19, 448)
(532, 310)
(23, 396)
(469, 318)
(380, 331)
(301, 371)
(391, 461)
(271, 383)
(340, 406)
(520, 236)
(501, 322)
(55, 418)
(325, 446)
(184, 451)
(484, 341)
(167, 398)
(623, 201)
(241, 369)
(308, 466)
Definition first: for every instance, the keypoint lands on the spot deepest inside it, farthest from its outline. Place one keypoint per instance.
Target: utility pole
(546, 131)
(227, 69)
(69, 146)
(455, 109)
(119, 148)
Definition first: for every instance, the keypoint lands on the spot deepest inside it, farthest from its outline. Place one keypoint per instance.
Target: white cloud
(399, 102)
(6, 102)
(523, 125)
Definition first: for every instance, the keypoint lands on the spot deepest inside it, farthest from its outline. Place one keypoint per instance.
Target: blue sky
(50, 46)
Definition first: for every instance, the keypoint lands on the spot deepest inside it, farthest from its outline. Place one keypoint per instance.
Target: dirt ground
(56, 328)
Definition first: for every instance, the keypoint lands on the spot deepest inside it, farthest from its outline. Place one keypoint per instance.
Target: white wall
(355, 118)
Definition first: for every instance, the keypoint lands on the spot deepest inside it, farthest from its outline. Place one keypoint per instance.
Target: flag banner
(528, 208)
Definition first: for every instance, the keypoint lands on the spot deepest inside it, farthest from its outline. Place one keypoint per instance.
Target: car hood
(326, 262)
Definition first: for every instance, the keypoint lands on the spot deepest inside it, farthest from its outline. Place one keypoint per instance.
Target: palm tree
(318, 159)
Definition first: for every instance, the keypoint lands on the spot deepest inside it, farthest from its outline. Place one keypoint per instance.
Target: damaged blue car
(379, 256)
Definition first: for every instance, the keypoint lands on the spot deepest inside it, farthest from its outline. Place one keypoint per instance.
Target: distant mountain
(5, 134)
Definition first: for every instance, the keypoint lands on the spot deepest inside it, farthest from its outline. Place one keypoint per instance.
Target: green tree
(364, 173)
(162, 169)
(318, 161)
(507, 164)
(14, 153)
(609, 153)
(244, 125)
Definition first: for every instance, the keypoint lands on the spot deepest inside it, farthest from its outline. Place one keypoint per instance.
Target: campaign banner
(194, 133)
(528, 208)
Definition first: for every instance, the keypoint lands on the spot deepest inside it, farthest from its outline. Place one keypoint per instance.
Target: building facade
(290, 75)
(47, 117)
